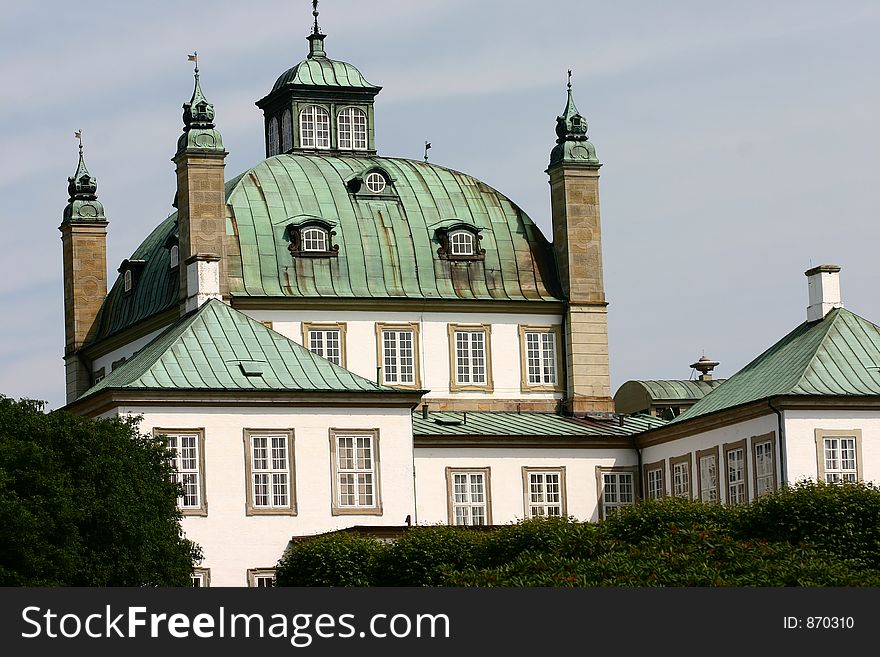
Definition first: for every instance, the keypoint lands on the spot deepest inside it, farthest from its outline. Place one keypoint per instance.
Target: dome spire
(83, 205)
(571, 135)
(198, 118)
(316, 39)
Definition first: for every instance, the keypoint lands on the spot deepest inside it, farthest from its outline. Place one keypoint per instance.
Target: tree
(86, 502)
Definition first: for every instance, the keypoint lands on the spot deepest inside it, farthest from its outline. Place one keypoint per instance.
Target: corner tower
(320, 105)
(201, 202)
(84, 245)
(577, 244)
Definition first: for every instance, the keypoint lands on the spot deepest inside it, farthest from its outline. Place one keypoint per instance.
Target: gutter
(781, 427)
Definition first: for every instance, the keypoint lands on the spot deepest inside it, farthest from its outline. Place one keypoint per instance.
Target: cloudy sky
(739, 142)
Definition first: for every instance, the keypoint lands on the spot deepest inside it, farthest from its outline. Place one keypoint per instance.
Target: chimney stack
(823, 284)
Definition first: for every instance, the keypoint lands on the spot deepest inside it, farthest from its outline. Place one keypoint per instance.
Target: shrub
(330, 560)
(423, 554)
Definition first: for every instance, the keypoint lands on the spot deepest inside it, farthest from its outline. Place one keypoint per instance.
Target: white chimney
(823, 283)
(202, 279)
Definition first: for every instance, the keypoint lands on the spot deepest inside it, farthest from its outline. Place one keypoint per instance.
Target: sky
(739, 142)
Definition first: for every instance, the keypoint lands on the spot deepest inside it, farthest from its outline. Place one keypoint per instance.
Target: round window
(375, 182)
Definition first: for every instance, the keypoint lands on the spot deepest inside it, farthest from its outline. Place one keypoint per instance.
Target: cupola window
(273, 136)
(352, 126)
(314, 127)
(461, 243)
(375, 182)
(286, 132)
(175, 256)
(314, 239)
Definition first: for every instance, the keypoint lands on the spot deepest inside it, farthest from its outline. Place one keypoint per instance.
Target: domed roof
(388, 242)
(321, 71)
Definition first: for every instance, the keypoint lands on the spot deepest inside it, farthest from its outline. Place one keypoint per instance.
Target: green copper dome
(325, 73)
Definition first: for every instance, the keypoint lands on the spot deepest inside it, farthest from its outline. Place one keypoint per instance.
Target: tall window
(270, 472)
(398, 354)
(314, 239)
(539, 357)
(655, 486)
(736, 468)
(355, 472)
(544, 492)
(468, 496)
(461, 243)
(174, 254)
(470, 357)
(326, 340)
(273, 137)
(286, 132)
(352, 127)
(707, 461)
(127, 281)
(314, 127)
(681, 476)
(840, 459)
(187, 447)
(763, 451)
(617, 491)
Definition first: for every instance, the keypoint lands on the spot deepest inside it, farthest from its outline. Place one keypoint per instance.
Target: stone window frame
(381, 327)
(769, 437)
(203, 575)
(308, 327)
(656, 466)
(487, 491)
(527, 471)
(337, 509)
(698, 471)
(726, 449)
(525, 386)
(601, 471)
(454, 386)
(253, 574)
(250, 508)
(822, 434)
(202, 509)
(687, 461)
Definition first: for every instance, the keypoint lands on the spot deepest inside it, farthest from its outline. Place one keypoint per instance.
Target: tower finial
(315, 12)
(79, 135)
(427, 146)
(571, 135)
(569, 80)
(194, 57)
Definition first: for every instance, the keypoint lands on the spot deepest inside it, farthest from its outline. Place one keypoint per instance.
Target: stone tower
(201, 203)
(84, 244)
(577, 243)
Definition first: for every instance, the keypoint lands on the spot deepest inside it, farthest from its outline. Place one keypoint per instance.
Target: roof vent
(251, 368)
(705, 366)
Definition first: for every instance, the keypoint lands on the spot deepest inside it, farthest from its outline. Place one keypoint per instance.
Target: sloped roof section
(387, 243)
(323, 72)
(547, 425)
(836, 356)
(220, 348)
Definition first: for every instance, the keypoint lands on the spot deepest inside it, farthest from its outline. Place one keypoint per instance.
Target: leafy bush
(330, 560)
(423, 554)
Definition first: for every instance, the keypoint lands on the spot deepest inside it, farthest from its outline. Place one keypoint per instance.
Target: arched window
(286, 132)
(126, 281)
(175, 256)
(314, 239)
(375, 182)
(314, 127)
(352, 126)
(273, 136)
(461, 243)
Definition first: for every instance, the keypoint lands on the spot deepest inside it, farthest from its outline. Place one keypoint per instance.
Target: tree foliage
(86, 503)
(807, 535)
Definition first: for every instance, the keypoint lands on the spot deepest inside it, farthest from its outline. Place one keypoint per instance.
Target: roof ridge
(820, 344)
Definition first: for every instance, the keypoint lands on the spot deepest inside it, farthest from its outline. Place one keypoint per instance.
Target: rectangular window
(840, 459)
(707, 472)
(261, 577)
(764, 460)
(201, 577)
(355, 458)
(655, 484)
(468, 496)
(398, 354)
(326, 340)
(188, 459)
(616, 489)
(544, 492)
(269, 470)
(470, 358)
(681, 476)
(539, 358)
(736, 468)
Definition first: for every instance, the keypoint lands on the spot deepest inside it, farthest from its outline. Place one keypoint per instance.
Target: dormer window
(286, 132)
(126, 281)
(376, 182)
(314, 127)
(351, 124)
(273, 136)
(175, 256)
(459, 241)
(131, 271)
(312, 237)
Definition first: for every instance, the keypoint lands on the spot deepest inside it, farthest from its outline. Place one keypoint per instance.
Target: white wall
(127, 351)
(433, 344)
(233, 542)
(506, 478)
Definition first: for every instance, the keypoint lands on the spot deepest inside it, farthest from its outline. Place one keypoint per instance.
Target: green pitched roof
(218, 348)
(477, 424)
(836, 356)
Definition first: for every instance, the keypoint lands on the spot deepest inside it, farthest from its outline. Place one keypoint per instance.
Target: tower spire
(81, 187)
(315, 12)
(198, 117)
(572, 144)
(316, 39)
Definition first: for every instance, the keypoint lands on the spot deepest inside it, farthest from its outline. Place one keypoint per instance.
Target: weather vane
(569, 79)
(427, 146)
(315, 29)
